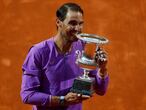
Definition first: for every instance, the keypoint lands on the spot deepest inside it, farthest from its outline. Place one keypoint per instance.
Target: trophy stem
(85, 75)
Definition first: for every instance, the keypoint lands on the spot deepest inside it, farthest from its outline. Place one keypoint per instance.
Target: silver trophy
(86, 60)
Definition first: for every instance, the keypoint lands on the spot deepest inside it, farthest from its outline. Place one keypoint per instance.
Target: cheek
(69, 31)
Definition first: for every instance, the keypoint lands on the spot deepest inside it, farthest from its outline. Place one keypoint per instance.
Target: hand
(101, 59)
(74, 98)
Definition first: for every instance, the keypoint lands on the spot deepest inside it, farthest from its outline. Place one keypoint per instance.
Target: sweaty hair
(62, 11)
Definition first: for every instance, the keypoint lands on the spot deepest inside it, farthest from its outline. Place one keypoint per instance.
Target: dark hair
(62, 11)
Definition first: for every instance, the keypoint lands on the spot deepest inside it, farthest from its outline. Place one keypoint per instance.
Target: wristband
(61, 100)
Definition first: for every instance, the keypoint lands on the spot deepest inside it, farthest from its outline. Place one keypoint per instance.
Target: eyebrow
(74, 21)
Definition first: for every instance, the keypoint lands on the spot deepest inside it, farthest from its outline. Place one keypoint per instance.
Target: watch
(62, 100)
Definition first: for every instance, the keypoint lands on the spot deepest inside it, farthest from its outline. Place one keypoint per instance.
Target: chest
(61, 68)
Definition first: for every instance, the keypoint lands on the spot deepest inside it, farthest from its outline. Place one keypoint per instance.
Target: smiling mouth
(76, 33)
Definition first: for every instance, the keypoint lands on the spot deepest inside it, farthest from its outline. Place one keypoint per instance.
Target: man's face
(72, 25)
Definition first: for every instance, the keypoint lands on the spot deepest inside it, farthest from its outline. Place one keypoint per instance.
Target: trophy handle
(78, 56)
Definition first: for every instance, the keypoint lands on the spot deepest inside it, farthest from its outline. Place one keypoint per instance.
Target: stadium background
(123, 22)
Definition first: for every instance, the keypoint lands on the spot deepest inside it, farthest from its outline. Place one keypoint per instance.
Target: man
(49, 68)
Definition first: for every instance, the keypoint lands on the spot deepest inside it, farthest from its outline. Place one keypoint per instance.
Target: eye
(81, 23)
(73, 23)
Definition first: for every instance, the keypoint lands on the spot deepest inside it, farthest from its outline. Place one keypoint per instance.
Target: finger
(103, 55)
(98, 49)
(102, 59)
(74, 94)
(85, 96)
(77, 101)
(101, 52)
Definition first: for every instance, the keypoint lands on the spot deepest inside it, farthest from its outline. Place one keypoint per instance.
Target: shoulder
(40, 49)
(44, 45)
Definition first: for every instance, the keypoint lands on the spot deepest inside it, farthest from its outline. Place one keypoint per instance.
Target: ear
(58, 23)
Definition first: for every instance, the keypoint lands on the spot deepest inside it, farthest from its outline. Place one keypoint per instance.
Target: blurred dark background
(123, 22)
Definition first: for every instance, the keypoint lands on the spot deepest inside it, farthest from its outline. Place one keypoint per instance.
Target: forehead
(73, 15)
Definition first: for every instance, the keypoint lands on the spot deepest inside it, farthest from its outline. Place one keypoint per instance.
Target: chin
(73, 39)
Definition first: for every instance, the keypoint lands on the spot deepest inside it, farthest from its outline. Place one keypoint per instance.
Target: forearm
(36, 98)
(102, 81)
(40, 99)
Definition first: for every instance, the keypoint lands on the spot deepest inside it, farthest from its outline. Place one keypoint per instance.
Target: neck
(63, 46)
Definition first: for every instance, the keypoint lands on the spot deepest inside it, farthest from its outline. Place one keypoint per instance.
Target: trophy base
(83, 86)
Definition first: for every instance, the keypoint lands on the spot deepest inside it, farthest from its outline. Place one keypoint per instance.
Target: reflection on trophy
(86, 60)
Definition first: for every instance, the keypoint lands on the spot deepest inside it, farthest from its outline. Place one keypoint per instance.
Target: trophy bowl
(86, 58)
